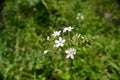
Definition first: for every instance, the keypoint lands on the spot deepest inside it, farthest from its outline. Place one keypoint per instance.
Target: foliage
(25, 25)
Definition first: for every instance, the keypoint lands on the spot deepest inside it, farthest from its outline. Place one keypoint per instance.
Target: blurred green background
(24, 25)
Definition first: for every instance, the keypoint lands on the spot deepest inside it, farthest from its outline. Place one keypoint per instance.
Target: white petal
(56, 41)
(60, 39)
(46, 51)
(67, 56)
(63, 40)
(78, 14)
(53, 35)
(65, 29)
(57, 45)
(48, 37)
(61, 45)
(66, 51)
(72, 57)
(59, 32)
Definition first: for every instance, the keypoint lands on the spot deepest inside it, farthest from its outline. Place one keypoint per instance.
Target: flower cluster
(67, 43)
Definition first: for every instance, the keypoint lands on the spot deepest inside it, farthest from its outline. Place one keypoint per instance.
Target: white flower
(56, 33)
(82, 17)
(65, 29)
(45, 51)
(59, 42)
(68, 29)
(70, 53)
(79, 15)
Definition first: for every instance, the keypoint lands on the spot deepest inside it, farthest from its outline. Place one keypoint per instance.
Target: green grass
(25, 25)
